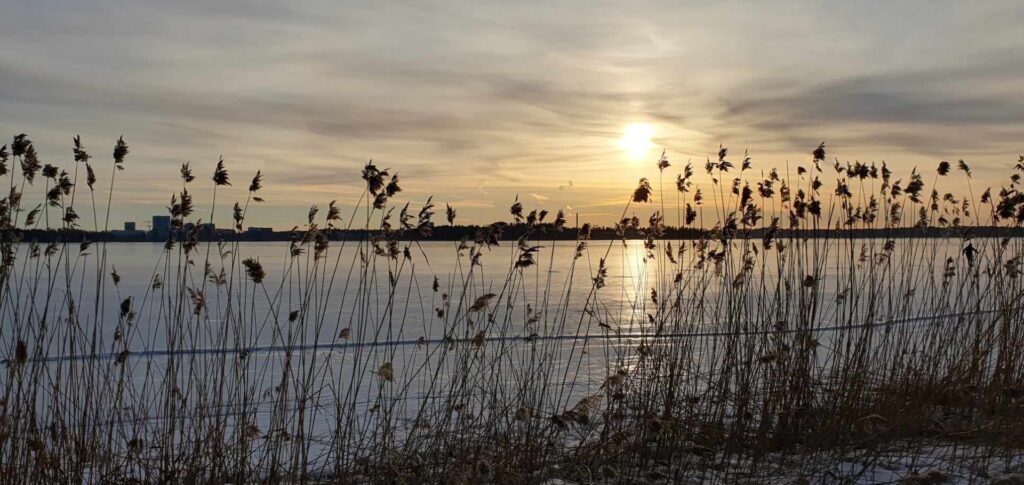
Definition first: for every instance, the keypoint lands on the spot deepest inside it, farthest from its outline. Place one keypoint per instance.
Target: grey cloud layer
(490, 99)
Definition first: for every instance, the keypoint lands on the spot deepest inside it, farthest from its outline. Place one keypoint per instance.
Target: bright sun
(636, 140)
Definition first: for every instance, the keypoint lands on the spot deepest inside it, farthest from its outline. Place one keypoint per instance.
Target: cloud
(478, 102)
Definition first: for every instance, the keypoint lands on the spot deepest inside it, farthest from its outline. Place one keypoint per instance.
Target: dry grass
(755, 345)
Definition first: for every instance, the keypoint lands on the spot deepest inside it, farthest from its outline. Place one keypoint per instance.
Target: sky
(478, 102)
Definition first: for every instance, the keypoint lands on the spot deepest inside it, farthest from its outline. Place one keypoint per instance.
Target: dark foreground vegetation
(756, 350)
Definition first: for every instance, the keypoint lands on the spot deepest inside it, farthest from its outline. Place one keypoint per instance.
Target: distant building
(259, 233)
(205, 232)
(128, 234)
(161, 228)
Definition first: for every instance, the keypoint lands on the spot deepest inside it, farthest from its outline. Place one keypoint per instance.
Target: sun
(636, 140)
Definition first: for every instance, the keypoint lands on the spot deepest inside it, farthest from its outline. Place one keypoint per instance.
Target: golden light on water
(636, 140)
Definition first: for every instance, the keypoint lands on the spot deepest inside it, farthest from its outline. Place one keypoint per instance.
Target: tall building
(129, 226)
(161, 228)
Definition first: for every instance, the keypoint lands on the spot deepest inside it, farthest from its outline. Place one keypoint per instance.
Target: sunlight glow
(636, 140)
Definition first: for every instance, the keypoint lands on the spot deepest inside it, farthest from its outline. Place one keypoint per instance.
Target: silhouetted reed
(776, 343)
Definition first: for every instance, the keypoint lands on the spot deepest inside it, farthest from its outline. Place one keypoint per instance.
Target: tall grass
(776, 343)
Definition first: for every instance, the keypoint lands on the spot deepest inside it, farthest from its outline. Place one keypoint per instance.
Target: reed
(778, 343)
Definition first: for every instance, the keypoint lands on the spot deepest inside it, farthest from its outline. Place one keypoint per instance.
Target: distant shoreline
(513, 232)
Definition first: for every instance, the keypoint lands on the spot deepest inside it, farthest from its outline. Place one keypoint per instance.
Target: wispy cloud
(477, 102)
